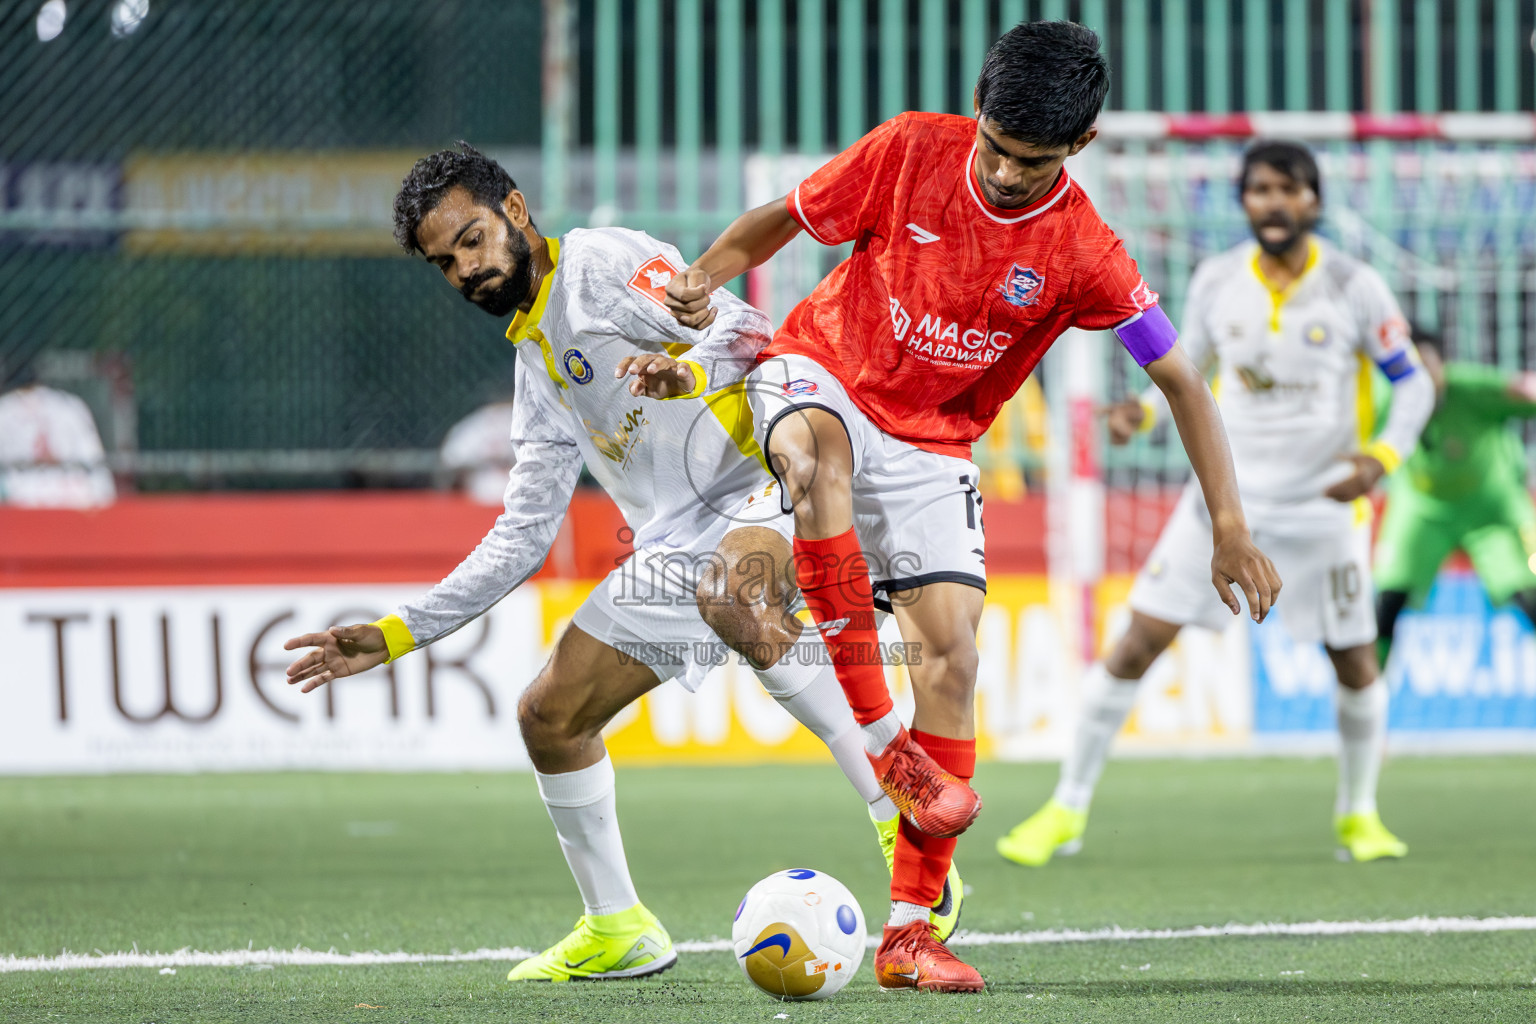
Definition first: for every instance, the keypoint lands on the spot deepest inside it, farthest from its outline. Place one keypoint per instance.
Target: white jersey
(50, 451)
(1293, 377)
(673, 468)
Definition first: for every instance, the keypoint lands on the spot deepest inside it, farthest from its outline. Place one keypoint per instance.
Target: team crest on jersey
(652, 278)
(1315, 334)
(577, 366)
(794, 388)
(1022, 285)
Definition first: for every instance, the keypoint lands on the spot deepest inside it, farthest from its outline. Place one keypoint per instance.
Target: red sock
(834, 577)
(922, 861)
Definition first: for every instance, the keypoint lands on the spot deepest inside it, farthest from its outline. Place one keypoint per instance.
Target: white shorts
(1327, 596)
(917, 513)
(647, 608)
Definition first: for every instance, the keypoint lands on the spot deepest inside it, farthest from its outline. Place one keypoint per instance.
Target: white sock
(879, 733)
(906, 913)
(806, 686)
(1362, 742)
(1107, 701)
(581, 804)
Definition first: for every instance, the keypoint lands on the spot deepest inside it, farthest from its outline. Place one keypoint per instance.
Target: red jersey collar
(1023, 213)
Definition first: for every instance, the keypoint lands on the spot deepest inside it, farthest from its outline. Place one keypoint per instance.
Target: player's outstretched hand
(341, 651)
(1368, 470)
(688, 299)
(1125, 418)
(655, 376)
(1239, 561)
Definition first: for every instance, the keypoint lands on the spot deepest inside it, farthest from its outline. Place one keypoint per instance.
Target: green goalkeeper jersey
(1467, 450)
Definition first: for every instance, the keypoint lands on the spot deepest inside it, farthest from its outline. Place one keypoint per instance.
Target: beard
(1294, 230)
(515, 282)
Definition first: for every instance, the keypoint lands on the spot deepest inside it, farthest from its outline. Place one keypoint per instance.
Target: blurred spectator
(50, 451)
(477, 453)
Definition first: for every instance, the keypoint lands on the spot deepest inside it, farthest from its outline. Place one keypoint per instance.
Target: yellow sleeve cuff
(1383, 453)
(1148, 416)
(397, 636)
(699, 381)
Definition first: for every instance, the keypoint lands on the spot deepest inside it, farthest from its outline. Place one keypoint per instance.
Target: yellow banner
(315, 203)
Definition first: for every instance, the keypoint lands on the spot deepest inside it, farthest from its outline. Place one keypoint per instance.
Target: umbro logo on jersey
(834, 627)
(922, 236)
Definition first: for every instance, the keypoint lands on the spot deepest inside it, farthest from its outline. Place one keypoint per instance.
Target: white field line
(301, 957)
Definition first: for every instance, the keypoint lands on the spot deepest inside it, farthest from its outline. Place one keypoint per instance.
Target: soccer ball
(799, 934)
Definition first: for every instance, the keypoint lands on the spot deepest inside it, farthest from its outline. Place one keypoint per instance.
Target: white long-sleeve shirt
(672, 467)
(1293, 377)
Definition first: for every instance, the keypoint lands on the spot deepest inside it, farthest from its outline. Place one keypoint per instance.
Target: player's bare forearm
(1205, 439)
(1235, 559)
(749, 241)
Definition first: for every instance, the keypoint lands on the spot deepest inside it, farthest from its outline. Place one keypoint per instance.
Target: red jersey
(947, 302)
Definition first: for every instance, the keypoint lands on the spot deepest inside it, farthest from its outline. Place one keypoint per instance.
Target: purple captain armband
(1148, 335)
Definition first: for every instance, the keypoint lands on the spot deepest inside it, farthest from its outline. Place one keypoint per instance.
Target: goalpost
(1444, 206)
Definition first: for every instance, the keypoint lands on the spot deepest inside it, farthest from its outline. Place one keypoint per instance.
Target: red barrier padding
(246, 538)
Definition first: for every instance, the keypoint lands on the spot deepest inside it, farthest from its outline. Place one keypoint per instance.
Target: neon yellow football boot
(1054, 828)
(944, 917)
(1363, 837)
(629, 944)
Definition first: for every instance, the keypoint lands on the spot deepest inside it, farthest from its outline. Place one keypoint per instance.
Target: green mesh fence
(195, 193)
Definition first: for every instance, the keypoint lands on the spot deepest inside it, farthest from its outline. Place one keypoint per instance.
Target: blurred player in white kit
(1293, 326)
(50, 450)
(687, 477)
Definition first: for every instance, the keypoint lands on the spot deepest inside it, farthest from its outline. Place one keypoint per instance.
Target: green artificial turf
(434, 863)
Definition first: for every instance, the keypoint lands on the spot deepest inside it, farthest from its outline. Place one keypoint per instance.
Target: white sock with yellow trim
(581, 804)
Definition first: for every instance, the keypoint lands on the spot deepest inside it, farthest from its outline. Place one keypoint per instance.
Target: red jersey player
(973, 251)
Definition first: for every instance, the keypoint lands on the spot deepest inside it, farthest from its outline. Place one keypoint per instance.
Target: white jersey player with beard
(1293, 383)
(684, 474)
(1295, 330)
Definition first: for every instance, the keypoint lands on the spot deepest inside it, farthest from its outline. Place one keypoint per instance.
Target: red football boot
(910, 957)
(934, 801)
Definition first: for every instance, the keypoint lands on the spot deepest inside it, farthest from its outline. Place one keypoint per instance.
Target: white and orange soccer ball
(799, 934)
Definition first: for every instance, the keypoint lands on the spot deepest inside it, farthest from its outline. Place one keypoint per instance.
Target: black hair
(1291, 159)
(435, 175)
(1044, 82)
(1429, 339)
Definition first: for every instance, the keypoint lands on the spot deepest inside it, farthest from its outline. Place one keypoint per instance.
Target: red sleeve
(1113, 291)
(842, 199)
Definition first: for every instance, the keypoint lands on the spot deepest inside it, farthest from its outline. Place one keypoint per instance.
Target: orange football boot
(934, 801)
(910, 957)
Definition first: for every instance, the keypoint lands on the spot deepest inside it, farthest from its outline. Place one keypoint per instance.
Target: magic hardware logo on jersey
(1022, 286)
(936, 340)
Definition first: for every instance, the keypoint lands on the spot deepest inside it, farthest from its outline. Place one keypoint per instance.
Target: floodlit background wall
(194, 237)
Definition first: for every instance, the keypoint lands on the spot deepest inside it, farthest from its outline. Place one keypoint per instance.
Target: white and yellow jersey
(1292, 381)
(673, 468)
